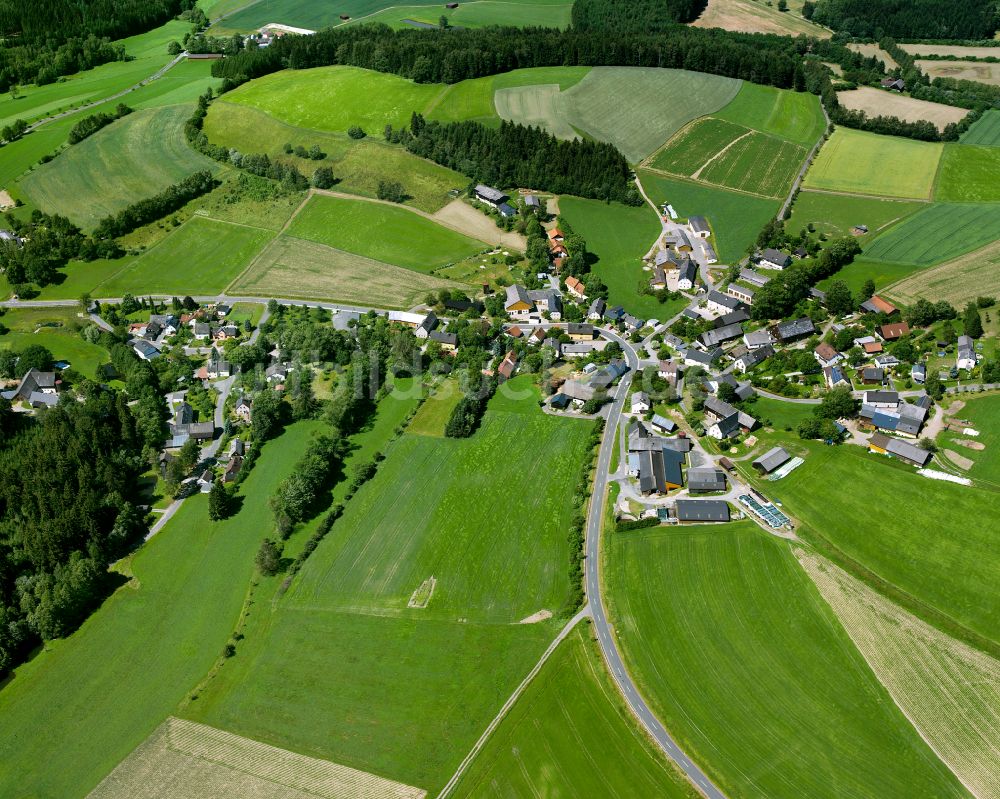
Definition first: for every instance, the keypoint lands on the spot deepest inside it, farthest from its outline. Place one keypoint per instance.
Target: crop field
(985, 131)
(537, 106)
(969, 175)
(956, 50)
(203, 256)
(195, 761)
(692, 147)
(988, 73)
(870, 50)
(950, 691)
(754, 16)
(878, 529)
(757, 164)
(58, 330)
(419, 684)
(129, 160)
(638, 109)
(793, 116)
(878, 102)
(937, 233)
(105, 688)
(867, 163)
(479, 13)
(569, 735)
(743, 620)
(291, 267)
(301, 13)
(736, 218)
(837, 214)
(619, 236)
(382, 232)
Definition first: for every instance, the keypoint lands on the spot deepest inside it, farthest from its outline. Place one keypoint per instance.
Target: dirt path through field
(722, 152)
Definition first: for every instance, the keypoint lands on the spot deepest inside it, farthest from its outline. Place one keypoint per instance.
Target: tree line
(88, 126)
(907, 19)
(159, 205)
(634, 16)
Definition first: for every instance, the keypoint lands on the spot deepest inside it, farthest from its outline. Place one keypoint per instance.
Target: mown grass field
(975, 274)
(927, 539)
(937, 233)
(757, 164)
(751, 16)
(358, 165)
(793, 116)
(381, 232)
(569, 717)
(968, 175)
(983, 414)
(736, 218)
(203, 256)
(638, 109)
(856, 273)
(129, 160)
(743, 620)
(433, 415)
(404, 692)
(619, 236)
(534, 106)
(291, 267)
(985, 131)
(866, 163)
(57, 329)
(300, 13)
(106, 687)
(837, 214)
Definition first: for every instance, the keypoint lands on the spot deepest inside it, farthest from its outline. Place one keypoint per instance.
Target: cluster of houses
(37, 389)
(579, 391)
(887, 411)
(673, 267)
(206, 325)
(532, 305)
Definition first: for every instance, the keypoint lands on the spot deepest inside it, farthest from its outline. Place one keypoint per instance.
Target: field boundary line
(511, 701)
(786, 206)
(266, 247)
(860, 196)
(719, 186)
(722, 152)
(645, 162)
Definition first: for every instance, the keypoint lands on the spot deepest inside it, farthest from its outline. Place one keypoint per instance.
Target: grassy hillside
(129, 160)
(794, 116)
(743, 620)
(569, 735)
(477, 14)
(937, 233)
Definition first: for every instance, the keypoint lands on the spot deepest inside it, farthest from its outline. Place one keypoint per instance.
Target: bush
(356, 132)
(637, 524)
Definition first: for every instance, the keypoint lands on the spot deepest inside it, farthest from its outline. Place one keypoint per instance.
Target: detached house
(575, 287)
(966, 355)
(774, 259)
(243, 409)
(687, 275)
(699, 228)
(720, 303)
(877, 305)
(518, 304)
(826, 355)
(427, 325)
(487, 195)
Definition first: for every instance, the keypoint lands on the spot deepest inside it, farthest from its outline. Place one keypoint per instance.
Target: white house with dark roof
(965, 358)
(720, 303)
(774, 259)
(489, 196)
(699, 228)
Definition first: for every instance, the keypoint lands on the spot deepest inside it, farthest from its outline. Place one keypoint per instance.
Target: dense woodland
(908, 19)
(634, 16)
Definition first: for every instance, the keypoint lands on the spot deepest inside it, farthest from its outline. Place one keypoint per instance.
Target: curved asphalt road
(593, 581)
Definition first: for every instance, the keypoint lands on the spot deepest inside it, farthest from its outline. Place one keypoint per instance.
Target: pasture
(837, 214)
(380, 231)
(56, 329)
(106, 687)
(203, 256)
(744, 621)
(968, 175)
(80, 277)
(985, 131)
(866, 163)
(753, 16)
(988, 73)
(129, 160)
(878, 102)
(291, 267)
(736, 218)
(569, 735)
(619, 236)
(794, 116)
(856, 273)
(757, 164)
(938, 232)
(878, 529)
(950, 691)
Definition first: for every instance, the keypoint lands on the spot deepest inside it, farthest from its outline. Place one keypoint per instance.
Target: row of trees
(468, 413)
(88, 126)
(159, 205)
(634, 16)
(296, 496)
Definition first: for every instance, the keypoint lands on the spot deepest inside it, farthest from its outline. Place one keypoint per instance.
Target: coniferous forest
(908, 19)
(634, 16)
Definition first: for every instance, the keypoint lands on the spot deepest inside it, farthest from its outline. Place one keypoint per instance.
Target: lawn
(867, 163)
(57, 329)
(619, 236)
(570, 735)
(757, 164)
(794, 116)
(107, 686)
(937, 233)
(926, 538)
(985, 131)
(291, 267)
(968, 175)
(433, 415)
(707, 614)
(131, 159)
(404, 692)
(203, 256)
(638, 109)
(837, 214)
(382, 232)
(736, 218)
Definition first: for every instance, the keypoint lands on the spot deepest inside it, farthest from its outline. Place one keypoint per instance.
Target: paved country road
(605, 635)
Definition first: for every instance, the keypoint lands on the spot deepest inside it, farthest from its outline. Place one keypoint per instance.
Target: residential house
(771, 460)
(518, 304)
(886, 361)
(701, 510)
(918, 373)
(706, 478)
(507, 210)
(755, 356)
(632, 322)
(893, 331)
(903, 450)
(580, 350)
(965, 358)
(732, 318)
(640, 402)
(872, 347)
(578, 391)
(145, 350)
(835, 376)
(687, 275)
(531, 201)
(277, 372)
(720, 303)
(826, 355)
(201, 330)
(669, 371)
(759, 338)
(710, 255)
(508, 365)
(742, 293)
(226, 332)
(537, 336)
(514, 331)
(893, 84)
(426, 326)
(546, 301)
(881, 399)
(774, 259)
(232, 469)
(205, 481)
(222, 310)
(795, 329)
(489, 196)
(580, 331)
(699, 228)
(878, 305)
(596, 310)
(605, 377)
(658, 281)
(243, 409)
(575, 287)
(712, 338)
(693, 357)
(717, 410)
(553, 344)
(871, 375)
(448, 341)
(555, 234)
(721, 429)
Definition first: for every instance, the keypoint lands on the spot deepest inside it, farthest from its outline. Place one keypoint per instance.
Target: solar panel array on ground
(770, 514)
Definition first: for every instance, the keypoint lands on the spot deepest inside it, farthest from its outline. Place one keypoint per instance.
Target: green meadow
(619, 236)
(983, 414)
(58, 330)
(479, 13)
(937, 233)
(968, 175)
(837, 214)
(382, 232)
(985, 131)
(794, 116)
(301, 13)
(748, 667)
(570, 735)
(859, 271)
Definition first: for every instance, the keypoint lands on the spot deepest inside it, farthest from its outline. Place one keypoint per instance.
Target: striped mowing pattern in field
(758, 164)
(949, 691)
(985, 131)
(534, 105)
(938, 233)
(184, 758)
